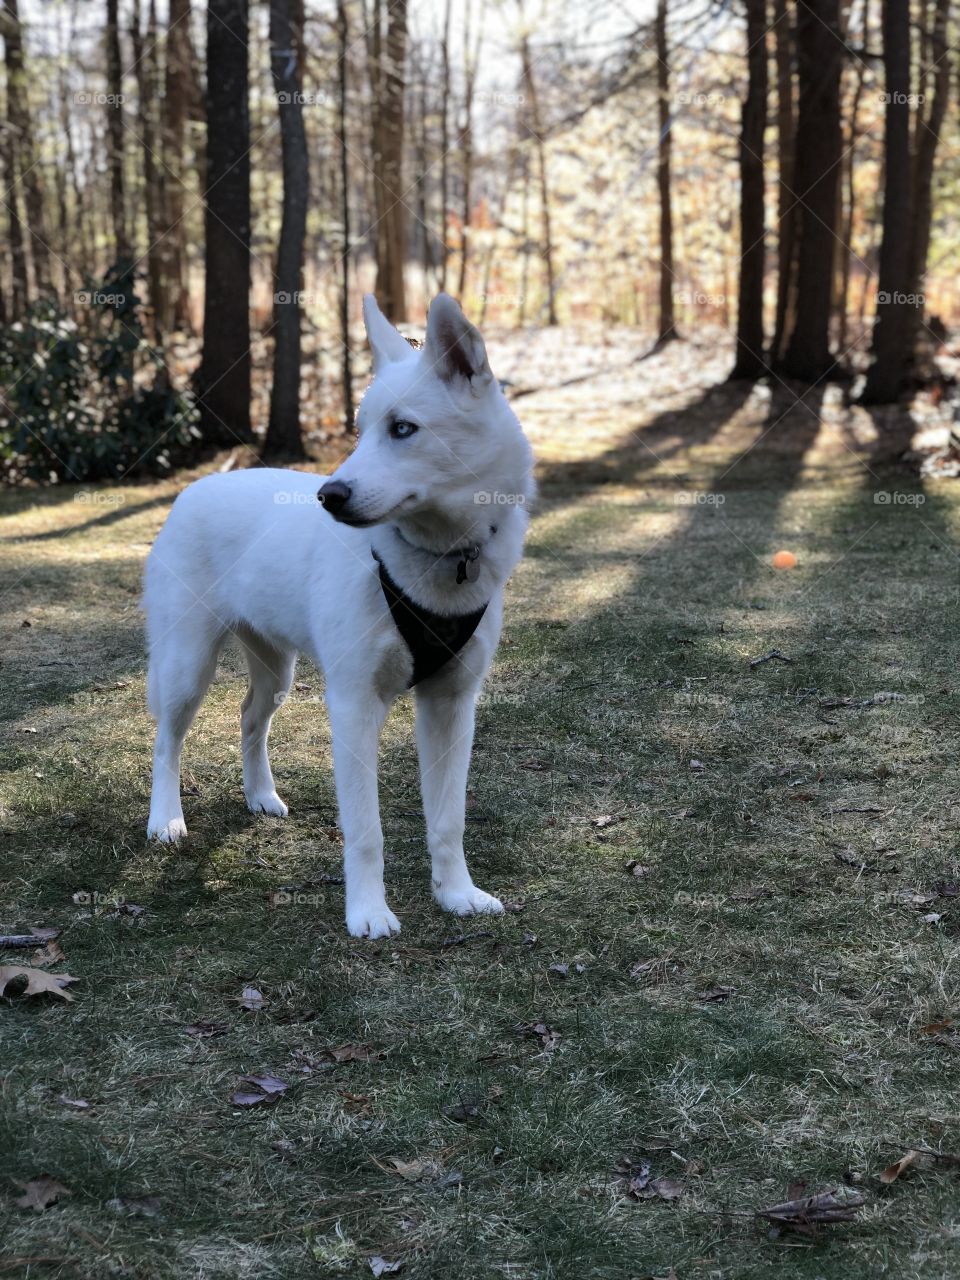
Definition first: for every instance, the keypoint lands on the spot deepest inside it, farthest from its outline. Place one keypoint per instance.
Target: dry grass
(792, 828)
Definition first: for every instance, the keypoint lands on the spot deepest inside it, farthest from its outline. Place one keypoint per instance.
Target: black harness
(432, 638)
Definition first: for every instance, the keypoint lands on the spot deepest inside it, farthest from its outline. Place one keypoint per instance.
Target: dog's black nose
(334, 495)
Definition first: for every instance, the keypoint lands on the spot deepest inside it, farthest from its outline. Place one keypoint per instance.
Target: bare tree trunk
(223, 379)
(148, 95)
(750, 362)
(29, 174)
(819, 50)
(175, 104)
(929, 128)
(849, 173)
(387, 72)
(786, 200)
(471, 57)
(346, 366)
(667, 328)
(115, 139)
(891, 330)
(19, 279)
(284, 438)
(445, 142)
(536, 129)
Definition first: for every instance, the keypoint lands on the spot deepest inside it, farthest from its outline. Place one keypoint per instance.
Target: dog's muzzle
(334, 495)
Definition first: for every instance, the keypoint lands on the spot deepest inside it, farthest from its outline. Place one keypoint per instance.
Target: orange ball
(784, 560)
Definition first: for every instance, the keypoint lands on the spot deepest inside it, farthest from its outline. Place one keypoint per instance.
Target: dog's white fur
(254, 554)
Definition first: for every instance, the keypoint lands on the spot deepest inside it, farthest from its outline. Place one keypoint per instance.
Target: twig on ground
(774, 654)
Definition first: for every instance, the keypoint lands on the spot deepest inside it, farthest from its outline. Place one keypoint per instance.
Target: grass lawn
(735, 888)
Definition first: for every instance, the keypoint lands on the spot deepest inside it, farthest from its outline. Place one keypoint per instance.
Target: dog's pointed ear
(386, 343)
(454, 347)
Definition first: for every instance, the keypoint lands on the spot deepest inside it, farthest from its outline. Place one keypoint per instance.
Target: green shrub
(89, 398)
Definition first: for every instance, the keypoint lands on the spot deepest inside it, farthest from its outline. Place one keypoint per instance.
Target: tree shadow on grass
(117, 512)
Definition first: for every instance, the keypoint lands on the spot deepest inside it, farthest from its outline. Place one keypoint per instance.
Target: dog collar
(466, 558)
(432, 638)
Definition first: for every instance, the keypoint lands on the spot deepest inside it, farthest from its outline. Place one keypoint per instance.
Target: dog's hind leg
(271, 674)
(444, 742)
(182, 662)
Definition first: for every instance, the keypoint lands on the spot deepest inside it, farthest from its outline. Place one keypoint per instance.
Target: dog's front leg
(355, 725)
(444, 743)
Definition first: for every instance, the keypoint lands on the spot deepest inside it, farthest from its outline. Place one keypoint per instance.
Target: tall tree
(929, 124)
(223, 379)
(19, 280)
(891, 330)
(284, 438)
(819, 53)
(471, 60)
(179, 88)
(115, 133)
(535, 128)
(388, 52)
(749, 357)
(24, 152)
(346, 361)
(786, 200)
(667, 324)
(445, 87)
(147, 63)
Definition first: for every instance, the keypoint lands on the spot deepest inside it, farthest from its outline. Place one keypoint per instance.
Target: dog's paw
(167, 832)
(467, 902)
(267, 802)
(376, 921)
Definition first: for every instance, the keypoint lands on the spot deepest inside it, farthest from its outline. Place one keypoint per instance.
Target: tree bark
(29, 173)
(148, 95)
(470, 61)
(177, 93)
(223, 379)
(346, 363)
(786, 200)
(115, 138)
(284, 438)
(445, 142)
(891, 330)
(667, 324)
(387, 75)
(19, 279)
(929, 127)
(536, 130)
(819, 49)
(750, 361)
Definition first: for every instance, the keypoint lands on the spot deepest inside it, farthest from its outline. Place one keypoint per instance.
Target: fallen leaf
(80, 1104)
(353, 1053)
(548, 1036)
(136, 1206)
(354, 1101)
(697, 764)
(605, 820)
(714, 995)
(934, 1028)
(41, 1192)
(204, 1030)
(561, 971)
(271, 1085)
(462, 1112)
(52, 953)
(38, 981)
(667, 1188)
(933, 917)
(637, 869)
(410, 1170)
(893, 1171)
(246, 1099)
(381, 1267)
(809, 1212)
(252, 999)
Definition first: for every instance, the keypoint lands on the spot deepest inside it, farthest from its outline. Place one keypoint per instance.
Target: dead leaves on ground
(265, 1089)
(38, 981)
(41, 1192)
(639, 1183)
(806, 1214)
(915, 1158)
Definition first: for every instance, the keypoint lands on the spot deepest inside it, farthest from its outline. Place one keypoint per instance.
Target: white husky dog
(394, 578)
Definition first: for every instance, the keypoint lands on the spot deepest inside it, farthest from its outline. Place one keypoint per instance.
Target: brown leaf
(381, 1267)
(714, 995)
(638, 869)
(41, 1192)
(809, 1212)
(353, 1053)
(271, 1085)
(893, 1171)
(354, 1101)
(204, 1030)
(409, 1170)
(548, 1036)
(934, 1028)
(52, 953)
(243, 1098)
(252, 999)
(136, 1206)
(38, 982)
(80, 1104)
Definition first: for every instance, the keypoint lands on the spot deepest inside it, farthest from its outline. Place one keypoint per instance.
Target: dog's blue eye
(402, 430)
